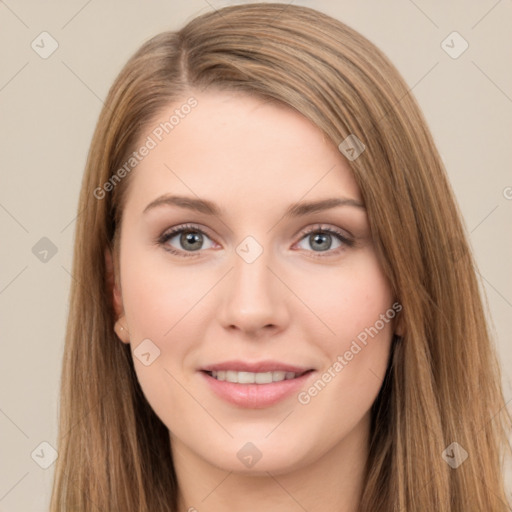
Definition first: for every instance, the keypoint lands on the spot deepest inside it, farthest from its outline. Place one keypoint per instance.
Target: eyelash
(165, 237)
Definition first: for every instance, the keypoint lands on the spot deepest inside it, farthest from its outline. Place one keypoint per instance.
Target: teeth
(252, 378)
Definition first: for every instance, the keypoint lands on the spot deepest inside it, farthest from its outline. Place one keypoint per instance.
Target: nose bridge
(251, 283)
(252, 295)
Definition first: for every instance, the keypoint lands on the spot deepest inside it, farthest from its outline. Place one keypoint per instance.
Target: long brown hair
(443, 384)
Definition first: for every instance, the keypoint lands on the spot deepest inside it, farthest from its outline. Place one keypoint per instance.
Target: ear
(112, 284)
(399, 327)
(114, 292)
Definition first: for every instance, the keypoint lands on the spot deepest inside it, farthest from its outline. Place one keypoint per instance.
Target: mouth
(242, 392)
(255, 385)
(244, 377)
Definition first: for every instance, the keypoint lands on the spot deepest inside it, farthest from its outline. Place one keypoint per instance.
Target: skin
(254, 159)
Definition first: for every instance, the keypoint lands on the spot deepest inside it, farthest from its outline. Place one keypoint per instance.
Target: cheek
(349, 299)
(157, 293)
(159, 301)
(355, 304)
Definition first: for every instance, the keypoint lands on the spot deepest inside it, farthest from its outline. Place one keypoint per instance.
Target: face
(227, 268)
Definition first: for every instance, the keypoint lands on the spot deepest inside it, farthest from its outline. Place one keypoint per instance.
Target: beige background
(48, 110)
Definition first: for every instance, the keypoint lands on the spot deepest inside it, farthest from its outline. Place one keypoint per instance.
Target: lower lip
(256, 396)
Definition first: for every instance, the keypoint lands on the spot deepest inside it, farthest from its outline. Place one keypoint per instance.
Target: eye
(189, 239)
(321, 239)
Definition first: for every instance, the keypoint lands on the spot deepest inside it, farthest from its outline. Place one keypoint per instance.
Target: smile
(255, 390)
(252, 377)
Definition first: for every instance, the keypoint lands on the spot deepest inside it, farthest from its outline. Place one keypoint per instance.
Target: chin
(257, 458)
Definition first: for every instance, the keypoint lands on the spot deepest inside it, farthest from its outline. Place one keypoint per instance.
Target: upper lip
(255, 367)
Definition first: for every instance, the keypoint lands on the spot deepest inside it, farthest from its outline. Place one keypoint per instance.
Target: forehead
(234, 146)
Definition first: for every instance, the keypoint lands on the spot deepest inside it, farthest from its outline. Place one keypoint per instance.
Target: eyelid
(343, 233)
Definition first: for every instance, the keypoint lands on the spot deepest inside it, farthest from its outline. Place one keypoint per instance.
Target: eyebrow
(210, 208)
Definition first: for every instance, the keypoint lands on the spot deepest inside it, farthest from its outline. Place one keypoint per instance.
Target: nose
(253, 298)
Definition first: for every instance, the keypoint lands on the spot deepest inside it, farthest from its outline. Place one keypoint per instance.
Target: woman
(275, 306)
